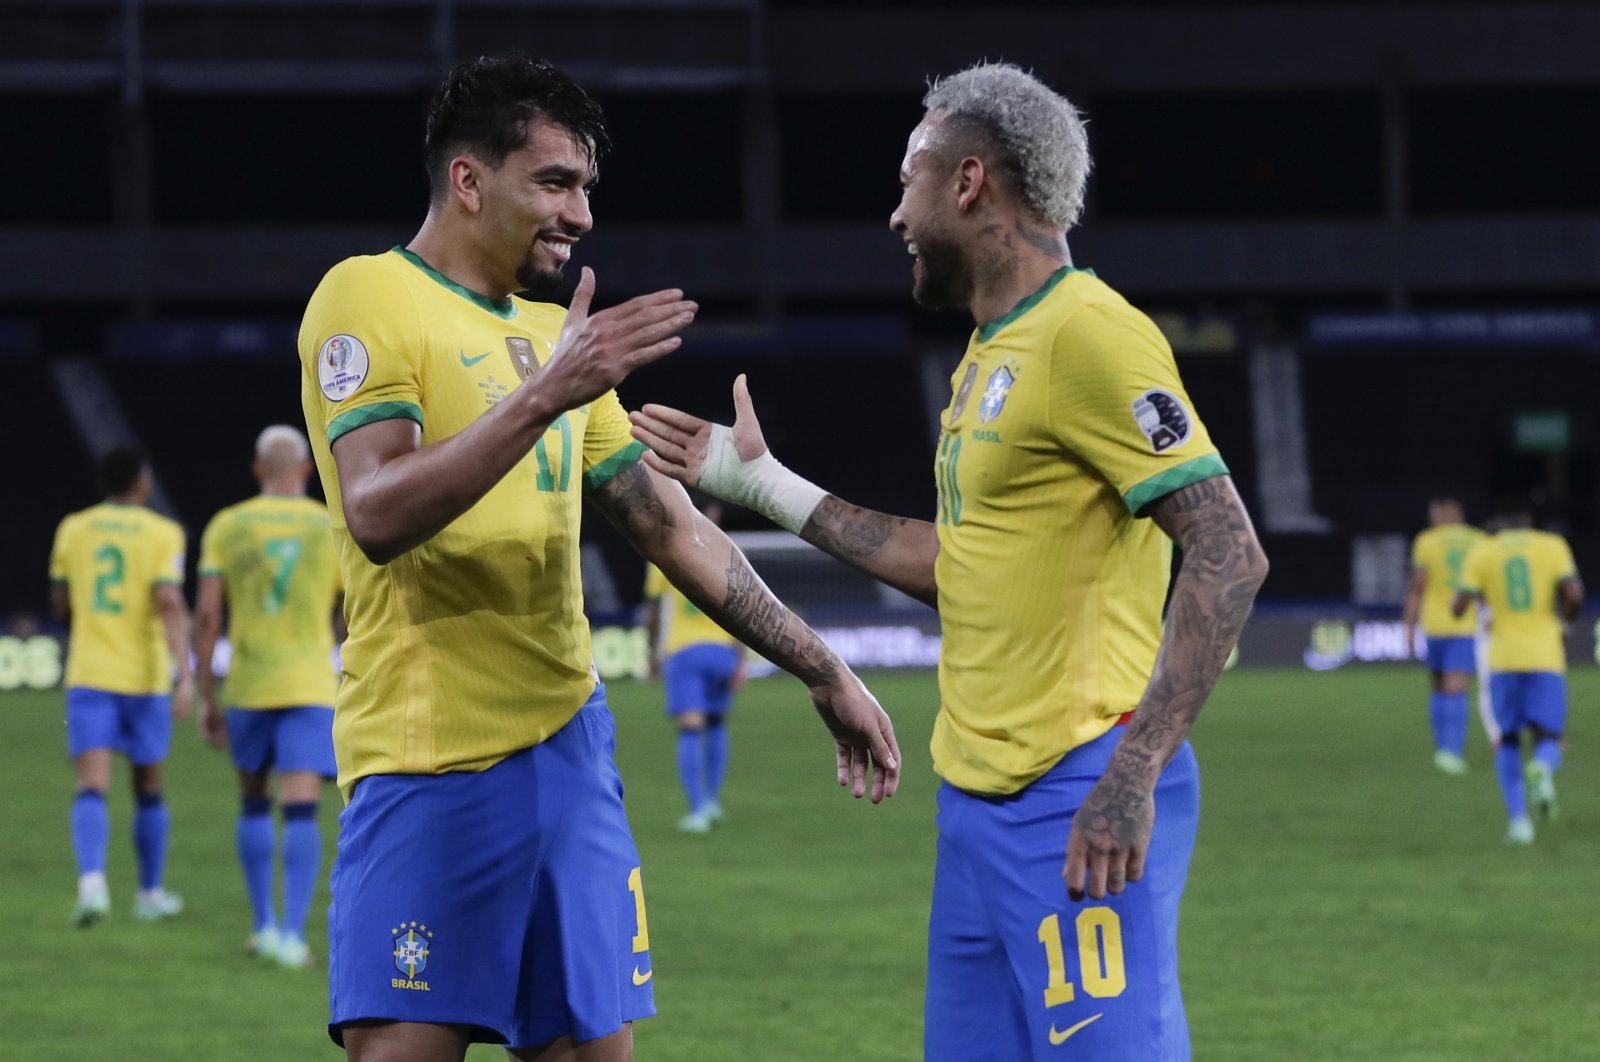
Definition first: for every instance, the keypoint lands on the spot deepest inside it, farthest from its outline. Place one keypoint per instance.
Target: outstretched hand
(679, 442)
(595, 351)
(864, 736)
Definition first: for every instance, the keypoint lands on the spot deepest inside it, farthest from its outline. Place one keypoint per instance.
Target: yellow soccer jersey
(275, 557)
(1518, 573)
(112, 557)
(682, 622)
(473, 644)
(1441, 551)
(1067, 420)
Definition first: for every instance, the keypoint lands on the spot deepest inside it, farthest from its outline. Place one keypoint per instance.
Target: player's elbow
(377, 539)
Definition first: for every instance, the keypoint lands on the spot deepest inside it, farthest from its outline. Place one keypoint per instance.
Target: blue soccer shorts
(697, 678)
(1018, 972)
(1452, 654)
(282, 739)
(508, 900)
(137, 725)
(1529, 698)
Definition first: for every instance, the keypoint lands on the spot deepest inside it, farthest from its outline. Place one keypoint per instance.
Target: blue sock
(1455, 714)
(1548, 752)
(1508, 768)
(91, 829)
(151, 823)
(716, 760)
(1439, 716)
(254, 841)
(690, 744)
(302, 856)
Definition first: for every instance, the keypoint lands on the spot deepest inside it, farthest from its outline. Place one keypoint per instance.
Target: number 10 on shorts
(1100, 962)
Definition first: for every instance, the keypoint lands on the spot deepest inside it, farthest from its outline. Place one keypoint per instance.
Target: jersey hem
(613, 466)
(1175, 478)
(351, 419)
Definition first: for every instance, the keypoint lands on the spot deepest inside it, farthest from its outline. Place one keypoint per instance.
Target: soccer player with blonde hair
(1069, 463)
(268, 564)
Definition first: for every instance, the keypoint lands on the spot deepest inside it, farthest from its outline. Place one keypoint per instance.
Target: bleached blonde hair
(1038, 134)
(282, 447)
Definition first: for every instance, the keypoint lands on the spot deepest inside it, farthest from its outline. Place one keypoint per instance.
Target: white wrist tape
(763, 484)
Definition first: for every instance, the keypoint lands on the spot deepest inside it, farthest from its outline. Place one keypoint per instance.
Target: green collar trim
(505, 309)
(988, 331)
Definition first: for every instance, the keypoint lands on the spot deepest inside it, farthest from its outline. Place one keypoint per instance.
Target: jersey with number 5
(111, 558)
(275, 558)
(473, 644)
(1518, 573)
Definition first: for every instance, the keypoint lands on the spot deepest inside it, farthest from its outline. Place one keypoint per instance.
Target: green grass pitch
(1346, 901)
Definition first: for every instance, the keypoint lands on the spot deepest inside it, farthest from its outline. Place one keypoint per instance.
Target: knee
(147, 779)
(691, 722)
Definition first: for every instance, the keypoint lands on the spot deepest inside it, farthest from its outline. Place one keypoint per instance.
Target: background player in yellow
(1530, 583)
(1436, 559)
(487, 886)
(268, 563)
(1069, 461)
(116, 572)
(701, 667)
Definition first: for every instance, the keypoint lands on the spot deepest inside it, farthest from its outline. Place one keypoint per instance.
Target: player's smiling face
(925, 220)
(536, 204)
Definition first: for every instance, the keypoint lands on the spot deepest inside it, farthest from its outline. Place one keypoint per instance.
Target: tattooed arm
(1222, 568)
(891, 549)
(656, 516)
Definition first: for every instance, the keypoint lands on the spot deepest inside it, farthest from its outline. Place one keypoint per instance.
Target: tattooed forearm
(629, 501)
(1223, 566)
(891, 549)
(751, 613)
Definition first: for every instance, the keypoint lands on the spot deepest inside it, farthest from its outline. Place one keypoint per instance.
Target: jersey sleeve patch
(342, 366)
(351, 419)
(1163, 418)
(613, 466)
(1175, 478)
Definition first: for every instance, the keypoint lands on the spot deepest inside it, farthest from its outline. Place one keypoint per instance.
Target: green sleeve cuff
(613, 466)
(167, 580)
(1175, 478)
(351, 419)
(204, 570)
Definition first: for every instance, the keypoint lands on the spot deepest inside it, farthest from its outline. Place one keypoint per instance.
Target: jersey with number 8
(1517, 572)
(275, 557)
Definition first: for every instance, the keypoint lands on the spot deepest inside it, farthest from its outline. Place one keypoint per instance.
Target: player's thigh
(586, 964)
(682, 684)
(722, 664)
(1100, 973)
(972, 1009)
(1505, 697)
(618, 1047)
(405, 1042)
(431, 893)
(1546, 702)
(92, 722)
(146, 724)
(304, 741)
(251, 737)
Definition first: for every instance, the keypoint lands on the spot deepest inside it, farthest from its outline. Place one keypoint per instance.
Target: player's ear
(971, 177)
(464, 182)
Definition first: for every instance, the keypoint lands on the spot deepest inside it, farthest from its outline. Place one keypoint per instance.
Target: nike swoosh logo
(1059, 1038)
(641, 978)
(470, 362)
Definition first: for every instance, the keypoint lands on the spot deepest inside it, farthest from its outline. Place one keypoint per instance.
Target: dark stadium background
(1371, 229)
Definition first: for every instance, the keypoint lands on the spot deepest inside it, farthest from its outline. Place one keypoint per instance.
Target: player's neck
(998, 294)
(282, 489)
(131, 498)
(452, 255)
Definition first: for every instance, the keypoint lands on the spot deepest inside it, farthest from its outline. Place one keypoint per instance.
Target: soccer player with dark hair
(116, 572)
(487, 886)
(1530, 583)
(268, 564)
(1436, 559)
(1069, 463)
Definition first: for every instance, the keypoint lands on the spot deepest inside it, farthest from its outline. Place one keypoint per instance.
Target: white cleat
(157, 905)
(699, 822)
(1520, 831)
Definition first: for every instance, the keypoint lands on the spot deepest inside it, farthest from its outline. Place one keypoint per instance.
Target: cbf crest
(523, 359)
(412, 944)
(994, 395)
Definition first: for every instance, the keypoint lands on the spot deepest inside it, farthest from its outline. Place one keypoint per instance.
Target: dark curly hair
(485, 105)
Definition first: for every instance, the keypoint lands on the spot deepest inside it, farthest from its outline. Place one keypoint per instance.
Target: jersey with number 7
(275, 557)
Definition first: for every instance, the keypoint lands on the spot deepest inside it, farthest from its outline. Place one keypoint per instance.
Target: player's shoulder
(1087, 314)
(365, 268)
(539, 314)
(364, 281)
